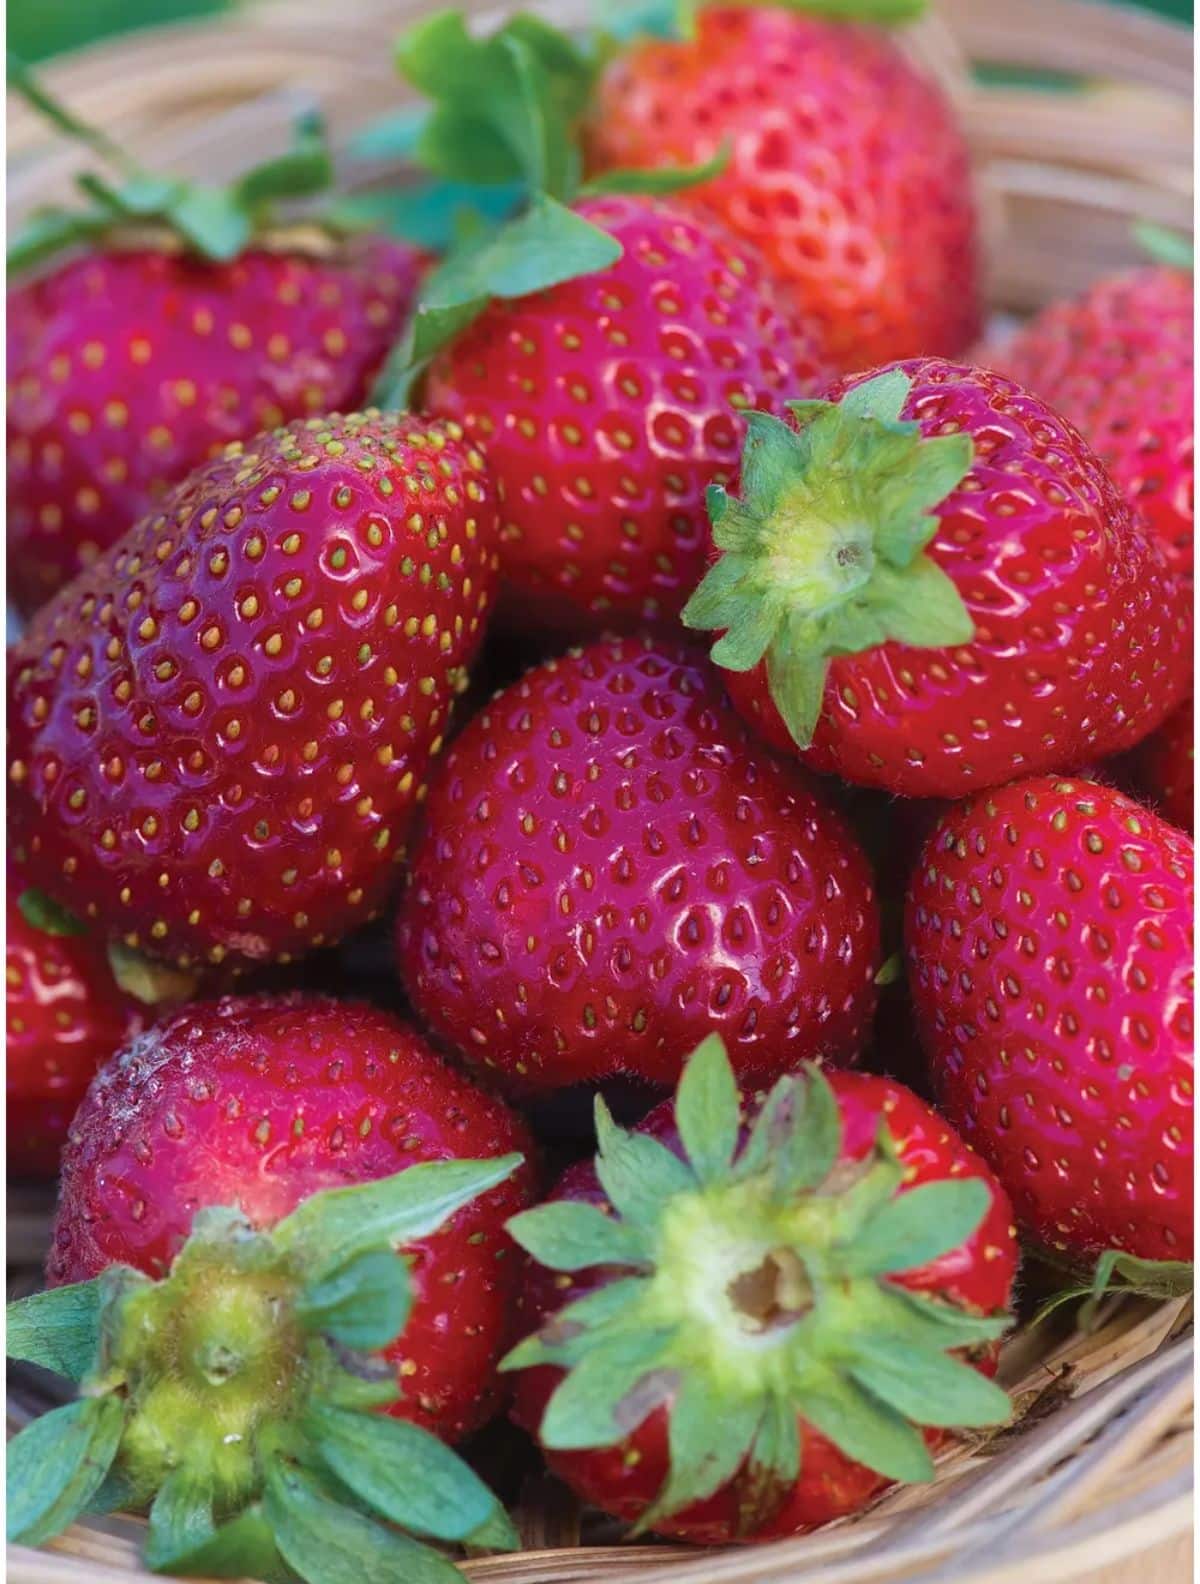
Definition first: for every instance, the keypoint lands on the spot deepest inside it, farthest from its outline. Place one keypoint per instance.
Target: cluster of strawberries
(921, 808)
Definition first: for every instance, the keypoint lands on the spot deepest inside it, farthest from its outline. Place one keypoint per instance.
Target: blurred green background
(37, 28)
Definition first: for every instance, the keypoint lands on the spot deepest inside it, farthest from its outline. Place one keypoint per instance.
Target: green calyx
(236, 1399)
(1118, 1274)
(217, 223)
(505, 115)
(753, 1294)
(824, 553)
(43, 913)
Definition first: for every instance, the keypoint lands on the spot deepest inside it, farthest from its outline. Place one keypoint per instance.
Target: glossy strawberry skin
(128, 369)
(609, 867)
(1049, 941)
(978, 1275)
(1082, 634)
(65, 1016)
(1119, 363)
(263, 1100)
(220, 732)
(607, 405)
(848, 169)
(1165, 767)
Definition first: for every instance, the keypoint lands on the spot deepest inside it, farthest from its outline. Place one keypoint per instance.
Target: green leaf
(868, 1431)
(743, 644)
(1166, 247)
(392, 137)
(890, 970)
(409, 1477)
(45, 914)
(917, 1226)
(1149, 1278)
(242, 1548)
(658, 178)
(709, 1437)
(544, 246)
(363, 1304)
(567, 1335)
(428, 213)
(920, 606)
(932, 1323)
(213, 222)
(772, 1466)
(708, 1110)
(328, 1543)
(721, 594)
(306, 168)
(881, 398)
(181, 1519)
(569, 1235)
(928, 1388)
(36, 96)
(796, 681)
(56, 1465)
(58, 1329)
(334, 1226)
(598, 1403)
(50, 231)
(637, 1172)
(797, 1135)
(883, 13)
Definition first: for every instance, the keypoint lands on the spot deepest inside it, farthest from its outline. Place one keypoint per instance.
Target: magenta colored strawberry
(927, 582)
(1049, 939)
(220, 732)
(1118, 362)
(282, 1223)
(848, 167)
(743, 1327)
(65, 1015)
(263, 1100)
(190, 319)
(609, 866)
(1165, 767)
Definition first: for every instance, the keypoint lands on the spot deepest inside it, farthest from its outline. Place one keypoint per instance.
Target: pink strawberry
(742, 1329)
(1165, 767)
(1118, 363)
(220, 732)
(609, 866)
(928, 583)
(1049, 938)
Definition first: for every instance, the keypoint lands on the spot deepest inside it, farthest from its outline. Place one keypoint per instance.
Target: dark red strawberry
(928, 583)
(219, 733)
(263, 1100)
(1049, 937)
(127, 369)
(65, 1016)
(848, 167)
(1165, 767)
(744, 1331)
(609, 866)
(608, 404)
(1118, 362)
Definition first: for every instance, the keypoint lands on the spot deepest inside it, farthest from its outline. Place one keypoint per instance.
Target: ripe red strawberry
(1165, 767)
(740, 1335)
(609, 867)
(930, 584)
(608, 404)
(65, 1016)
(263, 1100)
(848, 169)
(127, 369)
(1049, 938)
(219, 732)
(1118, 362)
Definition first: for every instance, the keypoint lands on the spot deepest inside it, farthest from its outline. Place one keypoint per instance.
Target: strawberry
(1118, 363)
(65, 1016)
(848, 169)
(135, 361)
(1049, 940)
(609, 866)
(929, 584)
(296, 1177)
(1165, 767)
(741, 1329)
(262, 1100)
(610, 402)
(220, 731)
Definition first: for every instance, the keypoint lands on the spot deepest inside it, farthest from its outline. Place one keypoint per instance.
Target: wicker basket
(1097, 1469)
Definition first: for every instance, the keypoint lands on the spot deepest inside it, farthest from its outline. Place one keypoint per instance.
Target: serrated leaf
(570, 1235)
(709, 1438)
(927, 1387)
(708, 1110)
(920, 606)
(744, 643)
(334, 1226)
(58, 1329)
(242, 1548)
(598, 1403)
(181, 1519)
(56, 1465)
(547, 244)
(42, 912)
(917, 1226)
(328, 1543)
(867, 1431)
(409, 1477)
(721, 594)
(658, 179)
(637, 1172)
(363, 1304)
